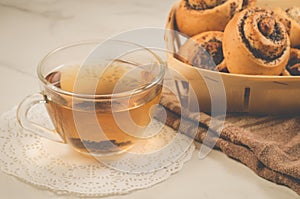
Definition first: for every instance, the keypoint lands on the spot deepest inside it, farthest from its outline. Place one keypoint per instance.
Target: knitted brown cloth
(270, 146)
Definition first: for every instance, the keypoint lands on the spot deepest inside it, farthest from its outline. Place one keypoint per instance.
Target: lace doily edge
(63, 192)
(43, 187)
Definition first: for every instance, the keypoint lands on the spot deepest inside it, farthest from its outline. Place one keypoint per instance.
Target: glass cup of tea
(99, 97)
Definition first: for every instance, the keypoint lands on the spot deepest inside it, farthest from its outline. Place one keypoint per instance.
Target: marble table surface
(30, 28)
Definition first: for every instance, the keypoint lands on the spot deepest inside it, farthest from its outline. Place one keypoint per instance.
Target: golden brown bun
(204, 51)
(293, 66)
(255, 42)
(292, 15)
(197, 16)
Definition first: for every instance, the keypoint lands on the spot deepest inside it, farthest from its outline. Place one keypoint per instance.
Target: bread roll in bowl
(197, 16)
(203, 50)
(293, 66)
(255, 42)
(292, 15)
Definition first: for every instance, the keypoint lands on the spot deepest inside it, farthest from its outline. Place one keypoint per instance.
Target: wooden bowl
(243, 93)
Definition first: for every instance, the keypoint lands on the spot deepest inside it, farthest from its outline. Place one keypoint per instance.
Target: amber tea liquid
(78, 119)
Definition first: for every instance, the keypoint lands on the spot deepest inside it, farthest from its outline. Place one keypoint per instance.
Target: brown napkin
(270, 145)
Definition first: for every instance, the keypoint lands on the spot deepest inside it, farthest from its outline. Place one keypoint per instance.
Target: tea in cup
(99, 106)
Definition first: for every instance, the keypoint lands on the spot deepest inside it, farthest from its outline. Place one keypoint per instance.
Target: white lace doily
(57, 167)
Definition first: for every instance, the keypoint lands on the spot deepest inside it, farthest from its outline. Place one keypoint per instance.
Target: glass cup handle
(22, 115)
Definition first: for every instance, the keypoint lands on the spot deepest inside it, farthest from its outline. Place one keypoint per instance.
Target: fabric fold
(268, 145)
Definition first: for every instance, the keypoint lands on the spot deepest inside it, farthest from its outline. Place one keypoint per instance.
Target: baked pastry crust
(293, 66)
(255, 42)
(203, 50)
(292, 15)
(197, 16)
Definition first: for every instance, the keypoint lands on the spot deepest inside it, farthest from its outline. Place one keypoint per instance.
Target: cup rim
(52, 87)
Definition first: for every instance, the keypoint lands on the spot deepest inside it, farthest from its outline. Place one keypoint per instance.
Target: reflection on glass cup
(96, 103)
